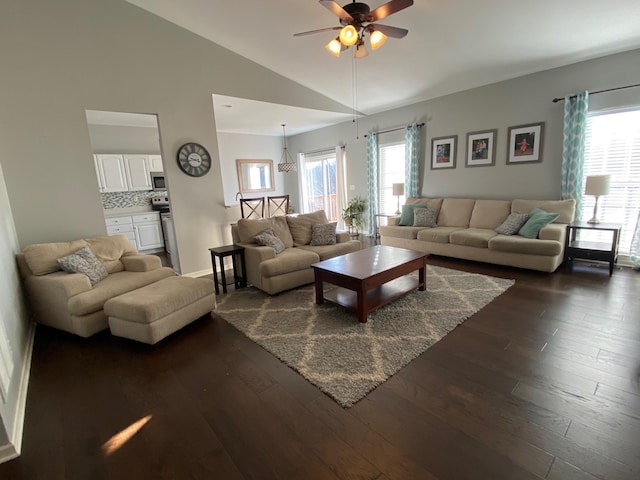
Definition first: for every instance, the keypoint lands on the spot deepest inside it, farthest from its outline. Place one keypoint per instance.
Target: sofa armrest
(395, 220)
(256, 254)
(57, 285)
(342, 237)
(553, 231)
(141, 263)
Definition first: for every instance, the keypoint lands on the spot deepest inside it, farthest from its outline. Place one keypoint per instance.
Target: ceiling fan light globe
(361, 51)
(377, 39)
(334, 47)
(349, 36)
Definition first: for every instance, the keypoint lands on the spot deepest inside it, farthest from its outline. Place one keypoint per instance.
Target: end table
(239, 281)
(589, 250)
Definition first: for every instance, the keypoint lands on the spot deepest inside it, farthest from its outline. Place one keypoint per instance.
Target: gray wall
(514, 102)
(119, 139)
(60, 58)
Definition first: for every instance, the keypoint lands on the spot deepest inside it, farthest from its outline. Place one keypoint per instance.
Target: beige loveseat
(67, 301)
(274, 273)
(466, 229)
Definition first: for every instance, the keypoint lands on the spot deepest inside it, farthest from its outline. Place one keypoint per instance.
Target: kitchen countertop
(119, 212)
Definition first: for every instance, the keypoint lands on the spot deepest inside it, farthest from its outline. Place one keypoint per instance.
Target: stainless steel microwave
(158, 181)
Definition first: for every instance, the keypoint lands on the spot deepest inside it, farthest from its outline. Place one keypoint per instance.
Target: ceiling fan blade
(387, 9)
(393, 32)
(337, 9)
(301, 34)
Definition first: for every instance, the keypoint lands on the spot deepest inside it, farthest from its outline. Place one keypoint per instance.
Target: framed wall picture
(481, 151)
(525, 143)
(443, 152)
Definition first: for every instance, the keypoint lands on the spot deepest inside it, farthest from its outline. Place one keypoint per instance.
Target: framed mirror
(255, 176)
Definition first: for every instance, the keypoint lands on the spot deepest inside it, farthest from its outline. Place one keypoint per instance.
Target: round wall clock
(193, 159)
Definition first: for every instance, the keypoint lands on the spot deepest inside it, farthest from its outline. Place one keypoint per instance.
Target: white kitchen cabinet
(137, 172)
(126, 172)
(148, 231)
(155, 163)
(122, 226)
(144, 231)
(112, 173)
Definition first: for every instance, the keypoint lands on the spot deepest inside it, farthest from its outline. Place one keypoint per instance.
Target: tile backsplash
(128, 199)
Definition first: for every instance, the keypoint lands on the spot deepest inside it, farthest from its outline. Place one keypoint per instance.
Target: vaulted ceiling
(451, 45)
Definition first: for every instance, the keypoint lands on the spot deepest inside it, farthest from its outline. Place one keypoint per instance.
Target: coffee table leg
(319, 292)
(422, 278)
(361, 309)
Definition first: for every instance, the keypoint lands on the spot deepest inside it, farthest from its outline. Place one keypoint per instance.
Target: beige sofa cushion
(330, 251)
(291, 260)
(109, 249)
(42, 258)
(518, 244)
(248, 228)
(564, 208)
(399, 231)
(455, 212)
(115, 284)
(489, 214)
(472, 237)
(300, 225)
(436, 234)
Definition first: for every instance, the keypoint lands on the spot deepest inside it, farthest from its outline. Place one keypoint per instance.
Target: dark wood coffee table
(371, 278)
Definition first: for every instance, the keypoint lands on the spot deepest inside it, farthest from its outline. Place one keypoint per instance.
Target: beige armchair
(68, 301)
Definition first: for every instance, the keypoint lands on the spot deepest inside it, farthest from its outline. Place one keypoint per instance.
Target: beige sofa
(465, 229)
(67, 301)
(274, 273)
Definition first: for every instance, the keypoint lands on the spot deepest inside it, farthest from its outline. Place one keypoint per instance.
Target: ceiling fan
(357, 20)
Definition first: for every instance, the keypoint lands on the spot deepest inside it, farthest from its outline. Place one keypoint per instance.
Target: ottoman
(150, 313)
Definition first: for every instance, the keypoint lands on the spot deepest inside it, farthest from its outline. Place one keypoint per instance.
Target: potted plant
(352, 213)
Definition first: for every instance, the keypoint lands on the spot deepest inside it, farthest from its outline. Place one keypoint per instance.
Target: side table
(589, 250)
(377, 225)
(232, 251)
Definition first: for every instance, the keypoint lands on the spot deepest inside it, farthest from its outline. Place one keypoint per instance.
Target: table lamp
(597, 185)
(398, 191)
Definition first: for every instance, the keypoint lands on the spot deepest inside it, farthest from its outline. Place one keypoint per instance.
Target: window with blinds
(613, 147)
(391, 161)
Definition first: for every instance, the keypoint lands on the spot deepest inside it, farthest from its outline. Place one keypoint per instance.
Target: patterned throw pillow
(425, 217)
(512, 224)
(323, 234)
(85, 262)
(269, 239)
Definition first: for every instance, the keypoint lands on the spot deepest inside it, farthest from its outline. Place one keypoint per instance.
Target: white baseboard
(201, 273)
(13, 449)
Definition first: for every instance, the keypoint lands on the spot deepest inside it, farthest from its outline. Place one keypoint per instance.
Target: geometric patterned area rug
(347, 359)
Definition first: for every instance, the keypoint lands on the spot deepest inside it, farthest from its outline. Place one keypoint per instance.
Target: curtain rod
(395, 129)
(325, 150)
(558, 99)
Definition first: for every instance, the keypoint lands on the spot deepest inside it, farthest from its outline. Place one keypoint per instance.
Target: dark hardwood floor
(541, 383)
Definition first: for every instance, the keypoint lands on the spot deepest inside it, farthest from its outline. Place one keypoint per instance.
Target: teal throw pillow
(537, 219)
(406, 217)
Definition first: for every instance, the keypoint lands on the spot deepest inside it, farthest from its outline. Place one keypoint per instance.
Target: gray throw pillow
(512, 224)
(85, 262)
(323, 234)
(269, 239)
(425, 217)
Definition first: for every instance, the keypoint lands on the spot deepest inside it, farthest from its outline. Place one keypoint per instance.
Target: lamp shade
(597, 185)
(398, 188)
